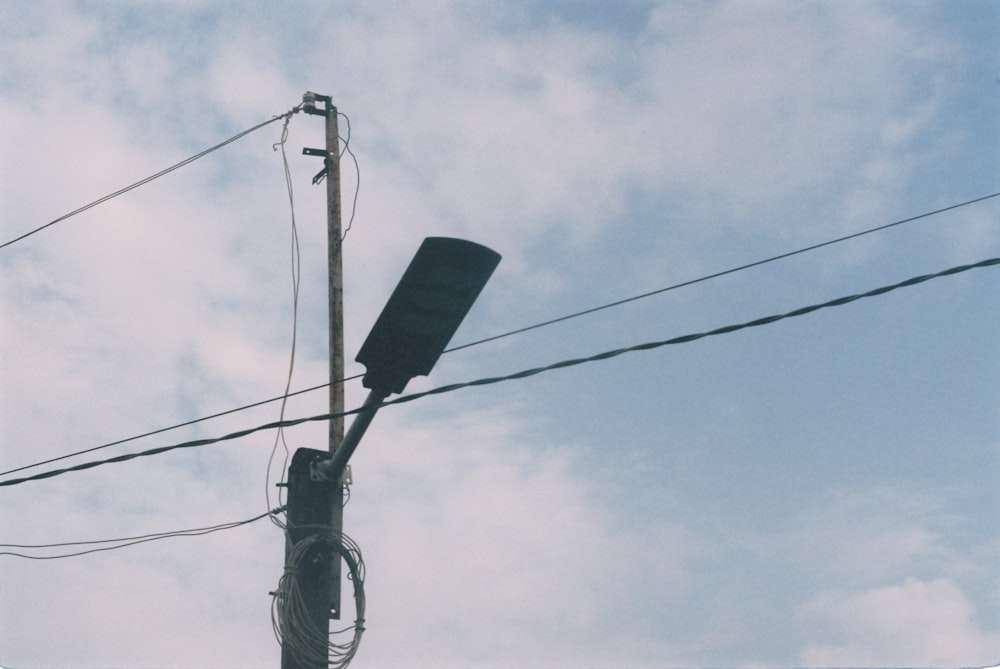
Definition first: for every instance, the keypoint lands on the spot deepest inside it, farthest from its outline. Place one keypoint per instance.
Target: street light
(436, 292)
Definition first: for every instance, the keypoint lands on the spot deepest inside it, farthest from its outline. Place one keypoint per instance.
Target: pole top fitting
(309, 100)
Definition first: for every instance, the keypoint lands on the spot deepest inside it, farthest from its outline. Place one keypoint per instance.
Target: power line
(125, 542)
(173, 427)
(526, 328)
(145, 181)
(723, 273)
(684, 339)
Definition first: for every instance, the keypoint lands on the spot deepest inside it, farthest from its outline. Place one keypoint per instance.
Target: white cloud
(917, 623)
(595, 161)
(488, 547)
(864, 535)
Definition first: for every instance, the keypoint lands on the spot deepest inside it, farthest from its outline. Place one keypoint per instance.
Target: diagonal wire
(684, 339)
(174, 427)
(553, 321)
(145, 181)
(127, 541)
(716, 275)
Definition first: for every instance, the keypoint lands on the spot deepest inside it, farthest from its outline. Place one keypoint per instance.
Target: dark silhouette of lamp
(436, 292)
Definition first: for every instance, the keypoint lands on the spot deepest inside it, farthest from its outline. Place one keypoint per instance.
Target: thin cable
(528, 328)
(174, 427)
(125, 542)
(357, 172)
(722, 273)
(685, 339)
(519, 375)
(296, 276)
(145, 181)
(293, 625)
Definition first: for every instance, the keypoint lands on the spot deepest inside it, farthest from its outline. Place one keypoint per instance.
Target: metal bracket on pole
(333, 469)
(327, 163)
(310, 500)
(309, 101)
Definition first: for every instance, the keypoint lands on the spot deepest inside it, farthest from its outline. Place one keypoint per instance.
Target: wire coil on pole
(290, 617)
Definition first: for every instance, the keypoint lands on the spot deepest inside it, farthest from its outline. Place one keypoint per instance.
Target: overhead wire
(142, 182)
(528, 328)
(716, 275)
(296, 278)
(174, 427)
(684, 339)
(296, 281)
(125, 542)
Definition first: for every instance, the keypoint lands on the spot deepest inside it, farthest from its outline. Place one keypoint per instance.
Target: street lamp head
(436, 292)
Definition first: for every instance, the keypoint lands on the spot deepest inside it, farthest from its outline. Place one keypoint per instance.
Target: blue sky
(817, 492)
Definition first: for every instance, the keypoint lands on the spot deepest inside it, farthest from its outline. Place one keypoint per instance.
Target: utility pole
(334, 239)
(318, 503)
(424, 311)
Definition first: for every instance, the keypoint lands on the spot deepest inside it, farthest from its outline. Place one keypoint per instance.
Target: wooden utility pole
(312, 503)
(336, 283)
(424, 311)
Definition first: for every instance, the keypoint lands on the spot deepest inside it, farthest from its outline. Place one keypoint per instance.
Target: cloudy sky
(817, 492)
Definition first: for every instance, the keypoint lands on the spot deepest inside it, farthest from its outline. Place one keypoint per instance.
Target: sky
(820, 491)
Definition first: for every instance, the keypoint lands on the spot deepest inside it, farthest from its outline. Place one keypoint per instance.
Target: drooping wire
(143, 182)
(296, 276)
(357, 172)
(523, 329)
(684, 339)
(125, 542)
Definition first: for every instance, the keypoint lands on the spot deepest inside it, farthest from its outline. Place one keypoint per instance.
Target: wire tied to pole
(290, 619)
(143, 182)
(684, 339)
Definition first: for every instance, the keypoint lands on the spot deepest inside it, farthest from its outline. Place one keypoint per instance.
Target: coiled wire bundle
(290, 617)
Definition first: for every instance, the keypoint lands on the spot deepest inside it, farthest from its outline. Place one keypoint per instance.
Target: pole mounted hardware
(309, 100)
(303, 603)
(431, 300)
(327, 163)
(310, 499)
